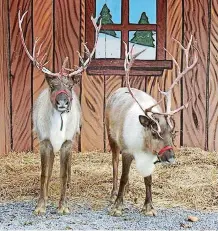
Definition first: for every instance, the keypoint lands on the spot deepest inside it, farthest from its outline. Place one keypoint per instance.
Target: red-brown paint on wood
(21, 77)
(213, 81)
(174, 30)
(151, 87)
(161, 28)
(137, 82)
(112, 83)
(194, 83)
(42, 28)
(67, 32)
(92, 103)
(5, 141)
(67, 37)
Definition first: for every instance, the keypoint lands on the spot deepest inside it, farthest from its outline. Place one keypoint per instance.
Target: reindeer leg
(126, 163)
(115, 161)
(148, 208)
(65, 160)
(47, 159)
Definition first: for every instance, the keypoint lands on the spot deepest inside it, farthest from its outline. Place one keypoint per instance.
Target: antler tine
(39, 50)
(90, 54)
(34, 56)
(180, 74)
(128, 62)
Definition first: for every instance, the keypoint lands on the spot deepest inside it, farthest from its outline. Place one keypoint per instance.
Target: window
(141, 23)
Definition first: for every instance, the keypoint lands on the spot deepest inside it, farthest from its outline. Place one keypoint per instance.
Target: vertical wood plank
(92, 103)
(21, 69)
(196, 23)
(5, 125)
(112, 83)
(42, 28)
(151, 86)
(67, 36)
(213, 81)
(137, 82)
(174, 30)
(67, 32)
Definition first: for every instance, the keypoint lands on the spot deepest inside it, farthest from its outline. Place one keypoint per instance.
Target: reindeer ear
(144, 121)
(76, 79)
(147, 122)
(48, 80)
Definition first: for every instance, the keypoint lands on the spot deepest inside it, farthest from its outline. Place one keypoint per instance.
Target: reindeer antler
(129, 59)
(90, 55)
(167, 94)
(34, 57)
(40, 64)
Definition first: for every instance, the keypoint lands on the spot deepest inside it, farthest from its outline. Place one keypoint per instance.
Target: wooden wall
(60, 24)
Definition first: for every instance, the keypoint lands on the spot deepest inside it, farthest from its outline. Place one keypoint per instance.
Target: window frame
(114, 65)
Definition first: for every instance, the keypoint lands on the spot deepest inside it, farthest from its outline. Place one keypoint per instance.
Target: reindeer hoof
(63, 210)
(117, 212)
(41, 207)
(148, 210)
(151, 213)
(40, 210)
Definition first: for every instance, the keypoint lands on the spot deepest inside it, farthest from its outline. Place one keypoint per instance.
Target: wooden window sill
(140, 67)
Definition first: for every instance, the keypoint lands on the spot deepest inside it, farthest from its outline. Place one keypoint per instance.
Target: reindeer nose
(168, 157)
(62, 102)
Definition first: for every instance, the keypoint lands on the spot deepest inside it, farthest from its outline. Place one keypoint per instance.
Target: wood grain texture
(42, 28)
(112, 83)
(137, 82)
(151, 86)
(5, 125)
(67, 37)
(67, 32)
(92, 103)
(174, 30)
(213, 80)
(21, 68)
(196, 23)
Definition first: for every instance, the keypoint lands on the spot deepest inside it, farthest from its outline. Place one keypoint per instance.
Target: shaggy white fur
(47, 120)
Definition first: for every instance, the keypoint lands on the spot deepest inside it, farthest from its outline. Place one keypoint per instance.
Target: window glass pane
(109, 44)
(142, 11)
(109, 10)
(143, 40)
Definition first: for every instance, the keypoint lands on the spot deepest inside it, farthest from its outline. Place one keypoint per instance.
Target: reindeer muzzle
(166, 155)
(55, 94)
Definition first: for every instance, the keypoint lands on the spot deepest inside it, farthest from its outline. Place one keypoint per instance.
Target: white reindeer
(56, 118)
(138, 127)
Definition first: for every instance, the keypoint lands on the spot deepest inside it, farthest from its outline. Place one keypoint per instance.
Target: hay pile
(191, 182)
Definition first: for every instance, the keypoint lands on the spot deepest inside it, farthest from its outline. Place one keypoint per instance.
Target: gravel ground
(18, 215)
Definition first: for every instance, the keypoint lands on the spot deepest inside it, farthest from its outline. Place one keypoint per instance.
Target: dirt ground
(190, 183)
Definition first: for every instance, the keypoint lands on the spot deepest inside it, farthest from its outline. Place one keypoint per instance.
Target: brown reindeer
(56, 118)
(139, 129)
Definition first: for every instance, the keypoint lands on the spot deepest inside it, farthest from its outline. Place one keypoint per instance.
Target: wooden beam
(5, 125)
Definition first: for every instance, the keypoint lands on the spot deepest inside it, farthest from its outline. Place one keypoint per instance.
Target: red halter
(166, 148)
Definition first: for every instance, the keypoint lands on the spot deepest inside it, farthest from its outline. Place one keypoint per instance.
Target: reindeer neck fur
(122, 115)
(47, 120)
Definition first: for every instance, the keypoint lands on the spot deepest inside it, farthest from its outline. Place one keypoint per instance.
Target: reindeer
(56, 118)
(139, 129)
